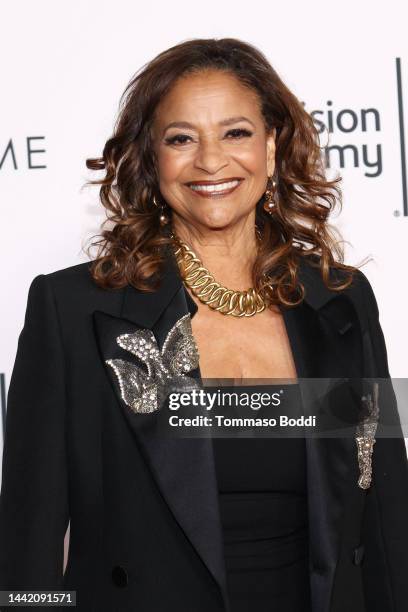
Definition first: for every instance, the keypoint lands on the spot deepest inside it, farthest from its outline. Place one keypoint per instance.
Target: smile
(209, 190)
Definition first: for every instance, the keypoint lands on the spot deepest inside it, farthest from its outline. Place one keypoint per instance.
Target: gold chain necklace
(208, 291)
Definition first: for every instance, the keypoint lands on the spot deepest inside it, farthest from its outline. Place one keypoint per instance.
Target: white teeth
(220, 187)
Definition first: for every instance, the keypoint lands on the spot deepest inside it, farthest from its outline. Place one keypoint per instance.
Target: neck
(228, 254)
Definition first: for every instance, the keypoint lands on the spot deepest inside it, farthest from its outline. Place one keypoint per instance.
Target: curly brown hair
(133, 250)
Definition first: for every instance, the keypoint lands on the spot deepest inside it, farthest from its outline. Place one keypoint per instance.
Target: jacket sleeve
(34, 494)
(385, 525)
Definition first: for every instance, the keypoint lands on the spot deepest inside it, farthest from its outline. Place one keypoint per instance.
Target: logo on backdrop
(362, 151)
(24, 154)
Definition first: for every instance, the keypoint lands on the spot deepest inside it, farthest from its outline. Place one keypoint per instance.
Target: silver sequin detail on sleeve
(365, 437)
(144, 388)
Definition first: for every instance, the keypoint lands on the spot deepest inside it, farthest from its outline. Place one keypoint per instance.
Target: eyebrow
(186, 124)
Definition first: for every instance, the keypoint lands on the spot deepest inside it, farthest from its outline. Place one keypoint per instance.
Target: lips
(223, 180)
(215, 188)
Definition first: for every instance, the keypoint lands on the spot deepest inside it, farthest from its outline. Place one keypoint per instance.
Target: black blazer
(144, 521)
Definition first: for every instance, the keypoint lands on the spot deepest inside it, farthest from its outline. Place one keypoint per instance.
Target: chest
(243, 347)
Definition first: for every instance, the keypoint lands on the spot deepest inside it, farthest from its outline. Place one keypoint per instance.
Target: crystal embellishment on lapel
(145, 387)
(365, 437)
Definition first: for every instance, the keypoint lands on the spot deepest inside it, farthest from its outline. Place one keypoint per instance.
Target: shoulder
(359, 285)
(77, 279)
(360, 292)
(78, 275)
(73, 291)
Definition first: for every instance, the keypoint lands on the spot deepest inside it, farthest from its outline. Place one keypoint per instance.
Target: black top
(263, 505)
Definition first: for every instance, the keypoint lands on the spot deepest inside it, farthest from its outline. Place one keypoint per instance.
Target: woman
(214, 184)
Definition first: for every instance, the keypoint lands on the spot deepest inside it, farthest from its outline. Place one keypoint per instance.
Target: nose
(211, 156)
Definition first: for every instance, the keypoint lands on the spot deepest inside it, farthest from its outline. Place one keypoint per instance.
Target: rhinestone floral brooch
(145, 387)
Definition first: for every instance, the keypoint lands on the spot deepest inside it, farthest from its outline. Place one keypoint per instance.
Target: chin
(218, 217)
(217, 224)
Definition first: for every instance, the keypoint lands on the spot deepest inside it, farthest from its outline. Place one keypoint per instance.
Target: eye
(177, 139)
(239, 133)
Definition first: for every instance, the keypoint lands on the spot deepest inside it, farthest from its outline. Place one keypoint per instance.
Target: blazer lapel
(323, 332)
(183, 468)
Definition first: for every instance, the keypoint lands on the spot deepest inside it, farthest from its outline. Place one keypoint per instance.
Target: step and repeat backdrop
(65, 65)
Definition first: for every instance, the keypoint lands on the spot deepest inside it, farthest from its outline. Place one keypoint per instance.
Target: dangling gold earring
(164, 219)
(270, 204)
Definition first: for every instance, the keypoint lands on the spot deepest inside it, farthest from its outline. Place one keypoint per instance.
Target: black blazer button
(119, 576)
(358, 555)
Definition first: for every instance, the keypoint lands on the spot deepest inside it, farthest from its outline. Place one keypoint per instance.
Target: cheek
(253, 157)
(170, 166)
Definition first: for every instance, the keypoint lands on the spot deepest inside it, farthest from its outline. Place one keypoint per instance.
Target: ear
(270, 151)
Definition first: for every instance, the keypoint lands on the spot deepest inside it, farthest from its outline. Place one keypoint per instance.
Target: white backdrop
(64, 66)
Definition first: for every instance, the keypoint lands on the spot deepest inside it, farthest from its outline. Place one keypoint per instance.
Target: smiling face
(213, 152)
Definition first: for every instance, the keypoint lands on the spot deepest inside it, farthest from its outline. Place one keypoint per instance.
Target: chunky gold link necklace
(208, 291)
